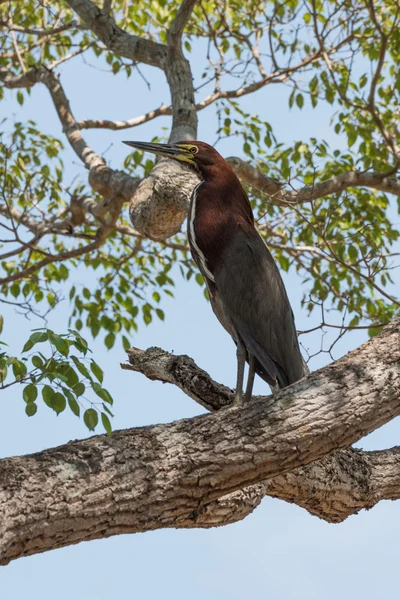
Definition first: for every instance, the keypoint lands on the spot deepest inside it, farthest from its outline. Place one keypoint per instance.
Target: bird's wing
(255, 300)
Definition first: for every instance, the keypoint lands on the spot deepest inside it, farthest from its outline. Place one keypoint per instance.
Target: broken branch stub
(160, 203)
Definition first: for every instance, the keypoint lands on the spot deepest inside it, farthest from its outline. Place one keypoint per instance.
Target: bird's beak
(178, 152)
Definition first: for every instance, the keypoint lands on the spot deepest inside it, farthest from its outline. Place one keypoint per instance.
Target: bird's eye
(193, 149)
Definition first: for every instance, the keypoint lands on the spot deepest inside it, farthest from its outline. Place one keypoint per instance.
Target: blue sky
(280, 550)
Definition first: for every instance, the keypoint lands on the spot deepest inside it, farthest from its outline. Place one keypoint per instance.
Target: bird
(245, 288)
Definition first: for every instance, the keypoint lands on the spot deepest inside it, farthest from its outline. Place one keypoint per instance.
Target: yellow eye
(193, 149)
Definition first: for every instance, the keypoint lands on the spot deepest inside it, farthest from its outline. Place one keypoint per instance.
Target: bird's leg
(250, 379)
(241, 360)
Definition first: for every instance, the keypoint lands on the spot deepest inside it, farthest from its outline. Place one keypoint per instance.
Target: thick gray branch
(333, 488)
(183, 15)
(160, 203)
(116, 39)
(164, 475)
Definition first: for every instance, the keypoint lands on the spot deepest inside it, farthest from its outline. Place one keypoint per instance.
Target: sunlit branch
(254, 177)
(275, 77)
(116, 39)
(40, 32)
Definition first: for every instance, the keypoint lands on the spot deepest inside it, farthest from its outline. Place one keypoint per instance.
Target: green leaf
(3, 371)
(37, 361)
(39, 336)
(60, 343)
(31, 409)
(72, 402)
(91, 418)
(30, 393)
(108, 411)
(300, 100)
(102, 393)
(352, 137)
(199, 278)
(79, 389)
(353, 253)
(109, 340)
(18, 367)
(106, 423)
(80, 343)
(47, 394)
(28, 346)
(97, 371)
(160, 314)
(81, 367)
(58, 403)
(284, 262)
(67, 374)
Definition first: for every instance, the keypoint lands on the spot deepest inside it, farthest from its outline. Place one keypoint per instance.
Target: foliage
(60, 377)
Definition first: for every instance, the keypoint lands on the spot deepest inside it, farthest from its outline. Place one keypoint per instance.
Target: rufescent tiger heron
(246, 290)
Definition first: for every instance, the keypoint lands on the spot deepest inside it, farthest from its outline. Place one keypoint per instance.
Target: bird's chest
(205, 227)
(210, 227)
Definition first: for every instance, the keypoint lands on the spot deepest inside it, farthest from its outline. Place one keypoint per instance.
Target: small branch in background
(118, 125)
(253, 176)
(39, 32)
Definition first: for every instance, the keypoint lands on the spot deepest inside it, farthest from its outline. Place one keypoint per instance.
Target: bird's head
(198, 155)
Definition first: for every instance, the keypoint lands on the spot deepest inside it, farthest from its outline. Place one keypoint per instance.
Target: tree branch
(182, 371)
(116, 39)
(164, 475)
(40, 32)
(118, 125)
(182, 17)
(104, 180)
(168, 187)
(333, 488)
(279, 76)
(253, 176)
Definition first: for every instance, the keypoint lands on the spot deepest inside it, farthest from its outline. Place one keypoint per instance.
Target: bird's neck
(222, 195)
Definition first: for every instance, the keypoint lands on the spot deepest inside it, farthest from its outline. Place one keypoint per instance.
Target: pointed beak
(174, 151)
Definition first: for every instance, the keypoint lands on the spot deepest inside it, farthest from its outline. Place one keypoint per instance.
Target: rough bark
(332, 488)
(160, 204)
(168, 475)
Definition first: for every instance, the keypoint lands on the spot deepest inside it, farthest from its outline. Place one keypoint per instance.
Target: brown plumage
(246, 290)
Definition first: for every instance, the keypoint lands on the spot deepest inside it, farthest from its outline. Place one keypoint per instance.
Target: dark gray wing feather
(255, 300)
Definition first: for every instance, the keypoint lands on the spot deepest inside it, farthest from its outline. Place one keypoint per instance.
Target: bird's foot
(247, 397)
(238, 398)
